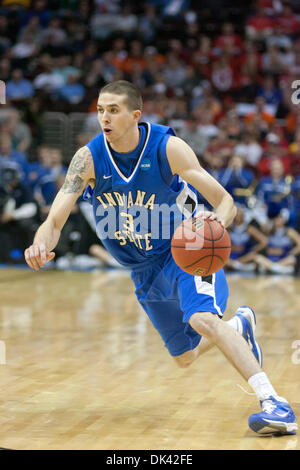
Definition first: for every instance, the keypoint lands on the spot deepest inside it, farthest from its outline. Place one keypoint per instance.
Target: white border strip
(138, 162)
(205, 288)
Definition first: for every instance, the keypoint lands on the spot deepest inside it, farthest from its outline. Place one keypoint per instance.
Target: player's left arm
(183, 162)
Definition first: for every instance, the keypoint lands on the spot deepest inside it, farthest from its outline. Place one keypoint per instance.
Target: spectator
(250, 62)
(57, 168)
(276, 191)
(273, 150)
(222, 75)
(228, 40)
(192, 134)
(220, 145)
(261, 115)
(18, 88)
(214, 165)
(73, 92)
(25, 48)
(103, 25)
(54, 35)
(274, 61)
(246, 242)
(47, 80)
(206, 121)
(282, 248)
(149, 23)
(63, 68)
(38, 168)
(250, 149)
(19, 132)
(39, 10)
(287, 22)
(260, 26)
(8, 154)
(17, 215)
(174, 71)
(32, 29)
(231, 124)
(95, 77)
(127, 22)
(237, 179)
(270, 92)
(134, 57)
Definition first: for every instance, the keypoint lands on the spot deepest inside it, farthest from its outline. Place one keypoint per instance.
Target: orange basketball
(200, 247)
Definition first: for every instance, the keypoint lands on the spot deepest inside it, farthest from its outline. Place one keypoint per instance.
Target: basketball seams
(200, 259)
(197, 248)
(213, 246)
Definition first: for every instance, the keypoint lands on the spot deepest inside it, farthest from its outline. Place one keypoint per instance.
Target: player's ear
(137, 115)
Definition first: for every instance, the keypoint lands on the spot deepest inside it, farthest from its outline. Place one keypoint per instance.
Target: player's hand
(210, 216)
(37, 255)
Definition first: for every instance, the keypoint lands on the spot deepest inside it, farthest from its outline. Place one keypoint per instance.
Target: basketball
(200, 247)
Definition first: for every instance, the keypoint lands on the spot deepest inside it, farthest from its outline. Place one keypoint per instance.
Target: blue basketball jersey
(136, 214)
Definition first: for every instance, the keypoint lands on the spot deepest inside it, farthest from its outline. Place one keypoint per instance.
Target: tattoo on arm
(74, 185)
(79, 167)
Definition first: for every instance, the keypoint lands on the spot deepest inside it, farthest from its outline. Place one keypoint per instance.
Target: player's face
(116, 120)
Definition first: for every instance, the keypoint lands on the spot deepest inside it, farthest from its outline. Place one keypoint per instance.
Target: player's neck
(128, 142)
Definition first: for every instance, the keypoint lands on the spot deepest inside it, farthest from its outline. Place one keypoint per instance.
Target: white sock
(262, 387)
(234, 323)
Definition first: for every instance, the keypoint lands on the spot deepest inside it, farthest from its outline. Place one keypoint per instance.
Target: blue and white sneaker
(276, 417)
(246, 322)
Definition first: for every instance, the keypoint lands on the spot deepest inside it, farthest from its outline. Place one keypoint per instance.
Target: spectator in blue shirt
(73, 91)
(237, 180)
(18, 88)
(282, 247)
(276, 192)
(8, 154)
(39, 168)
(270, 92)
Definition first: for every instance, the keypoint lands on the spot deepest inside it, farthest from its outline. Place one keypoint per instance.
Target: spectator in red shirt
(287, 21)
(228, 40)
(250, 60)
(260, 26)
(222, 75)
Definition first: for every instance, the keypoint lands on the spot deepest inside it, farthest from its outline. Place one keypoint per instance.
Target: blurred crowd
(223, 74)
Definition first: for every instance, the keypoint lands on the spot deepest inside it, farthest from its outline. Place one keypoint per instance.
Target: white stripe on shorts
(206, 288)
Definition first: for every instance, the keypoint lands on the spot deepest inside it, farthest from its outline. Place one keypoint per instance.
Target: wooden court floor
(82, 368)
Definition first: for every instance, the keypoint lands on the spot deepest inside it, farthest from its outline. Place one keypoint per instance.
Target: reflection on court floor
(83, 368)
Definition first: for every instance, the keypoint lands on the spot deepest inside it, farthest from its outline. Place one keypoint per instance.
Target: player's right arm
(80, 173)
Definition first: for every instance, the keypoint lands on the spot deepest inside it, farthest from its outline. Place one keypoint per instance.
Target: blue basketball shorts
(170, 296)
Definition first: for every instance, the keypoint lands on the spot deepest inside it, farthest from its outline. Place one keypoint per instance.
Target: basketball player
(131, 167)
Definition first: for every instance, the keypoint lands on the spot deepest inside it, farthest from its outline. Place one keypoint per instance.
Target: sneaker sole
(270, 427)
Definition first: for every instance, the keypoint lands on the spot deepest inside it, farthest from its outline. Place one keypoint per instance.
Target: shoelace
(268, 406)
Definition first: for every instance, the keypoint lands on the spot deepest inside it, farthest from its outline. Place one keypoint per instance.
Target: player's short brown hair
(133, 95)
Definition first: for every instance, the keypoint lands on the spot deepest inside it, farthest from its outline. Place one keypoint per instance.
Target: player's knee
(186, 359)
(206, 324)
